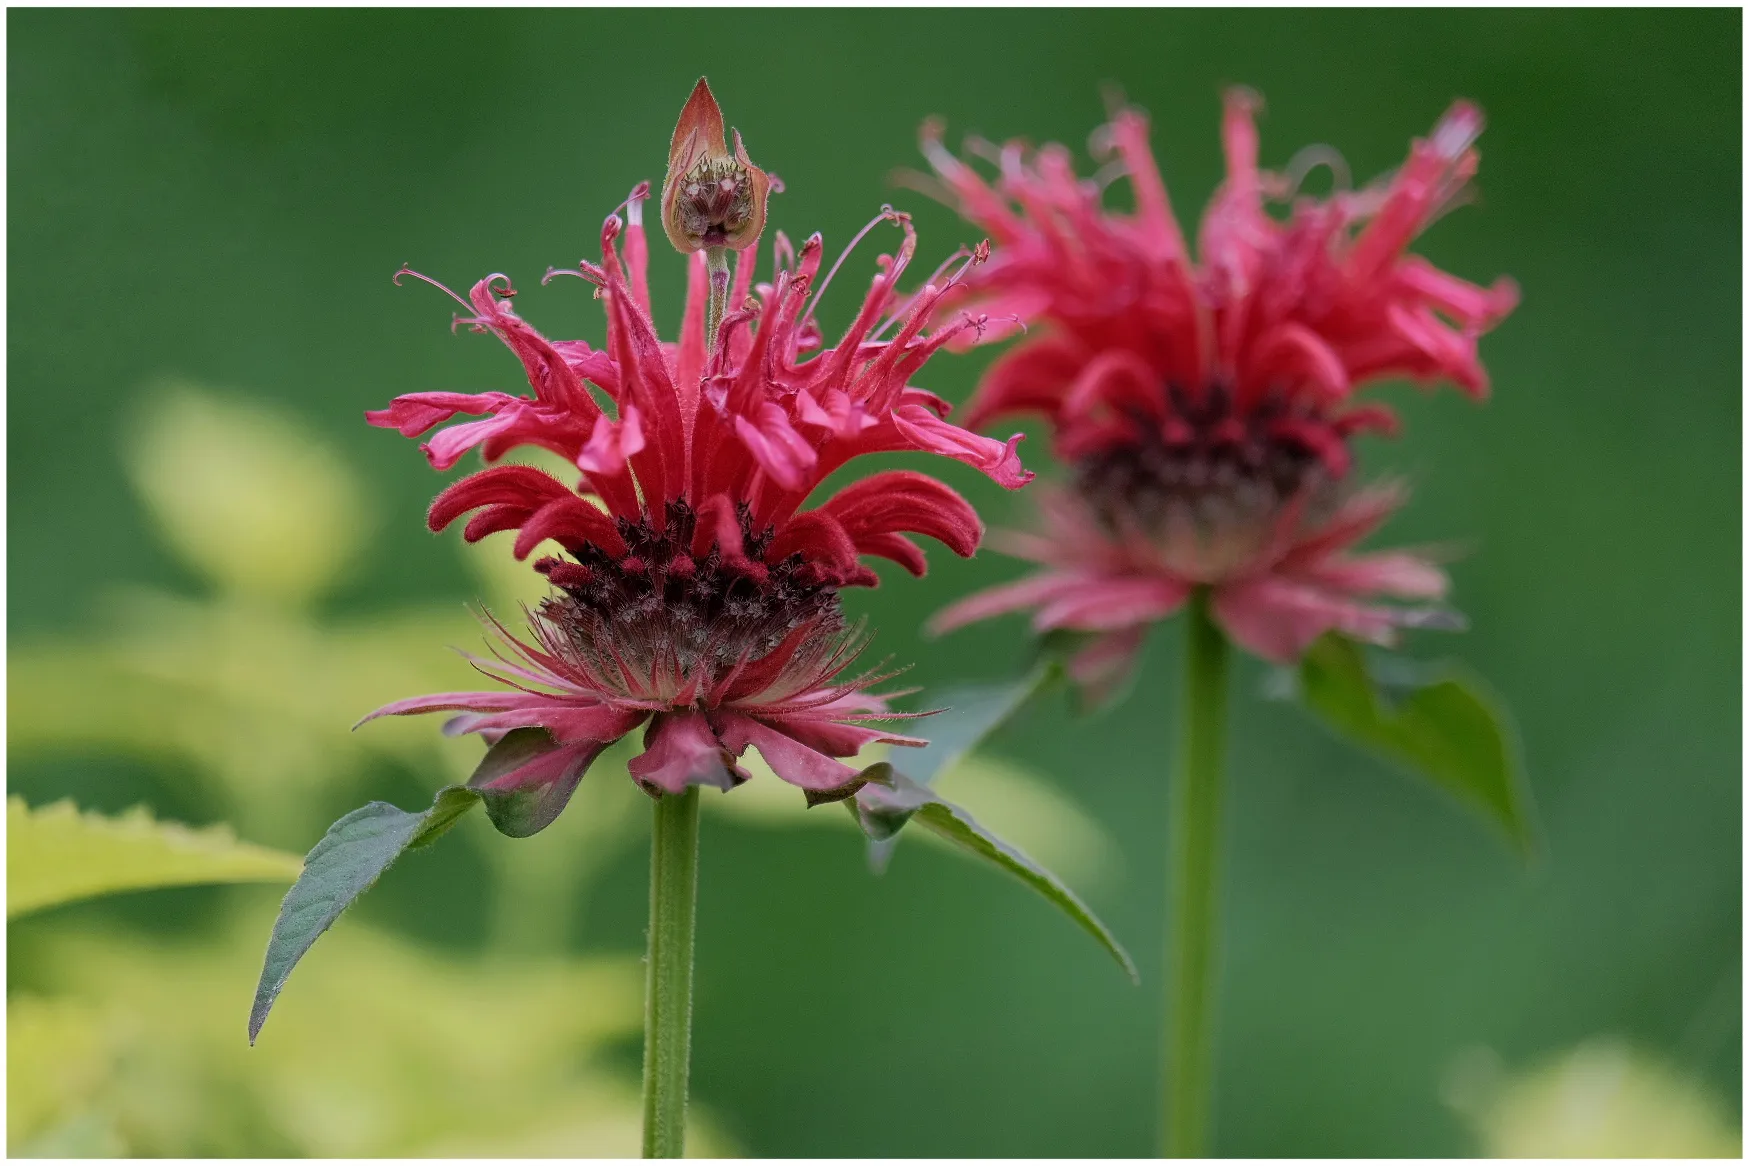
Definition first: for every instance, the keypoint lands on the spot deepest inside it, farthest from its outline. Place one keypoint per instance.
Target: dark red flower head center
(1208, 462)
(671, 599)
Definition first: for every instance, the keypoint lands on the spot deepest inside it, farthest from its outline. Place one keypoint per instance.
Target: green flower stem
(668, 982)
(717, 264)
(1194, 860)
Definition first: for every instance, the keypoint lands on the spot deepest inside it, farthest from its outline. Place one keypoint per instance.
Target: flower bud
(710, 198)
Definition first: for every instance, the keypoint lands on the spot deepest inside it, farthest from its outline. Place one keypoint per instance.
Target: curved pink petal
(796, 763)
(496, 701)
(1108, 604)
(1278, 619)
(1008, 597)
(681, 749)
(1399, 573)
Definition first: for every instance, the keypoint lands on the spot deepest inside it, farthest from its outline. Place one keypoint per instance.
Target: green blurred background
(200, 599)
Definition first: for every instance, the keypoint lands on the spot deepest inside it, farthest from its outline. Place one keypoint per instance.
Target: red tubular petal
(718, 526)
(1436, 168)
(493, 519)
(904, 500)
(499, 486)
(997, 459)
(896, 547)
(1031, 378)
(1117, 382)
(572, 522)
(1129, 133)
(689, 359)
(819, 539)
(778, 448)
(551, 377)
(1367, 419)
(413, 413)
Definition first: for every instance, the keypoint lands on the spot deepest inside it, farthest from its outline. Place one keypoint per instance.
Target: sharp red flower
(697, 594)
(1206, 404)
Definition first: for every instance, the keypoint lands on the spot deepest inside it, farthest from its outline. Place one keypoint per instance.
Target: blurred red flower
(1206, 405)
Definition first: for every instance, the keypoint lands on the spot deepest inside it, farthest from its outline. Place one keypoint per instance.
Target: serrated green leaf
(889, 800)
(348, 860)
(1437, 722)
(55, 854)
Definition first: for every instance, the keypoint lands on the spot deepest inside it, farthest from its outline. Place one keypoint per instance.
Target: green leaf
(890, 799)
(56, 854)
(973, 713)
(1435, 721)
(344, 865)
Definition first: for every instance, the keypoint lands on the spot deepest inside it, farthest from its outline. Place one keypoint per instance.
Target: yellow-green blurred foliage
(380, 1045)
(56, 854)
(1603, 1099)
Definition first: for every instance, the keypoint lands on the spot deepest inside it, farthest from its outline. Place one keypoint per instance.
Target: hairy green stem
(717, 263)
(1194, 868)
(668, 974)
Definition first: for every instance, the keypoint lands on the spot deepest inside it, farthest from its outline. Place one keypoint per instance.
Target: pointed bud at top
(711, 198)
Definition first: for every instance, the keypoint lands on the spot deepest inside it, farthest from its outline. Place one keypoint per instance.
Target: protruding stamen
(405, 270)
(888, 214)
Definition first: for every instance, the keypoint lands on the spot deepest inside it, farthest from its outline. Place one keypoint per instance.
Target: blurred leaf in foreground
(1603, 1099)
(247, 690)
(55, 854)
(57, 1060)
(245, 494)
(389, 1048)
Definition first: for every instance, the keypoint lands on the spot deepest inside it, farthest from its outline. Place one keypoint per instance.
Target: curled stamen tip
(610, 228)
(639, 192)
(775, 184)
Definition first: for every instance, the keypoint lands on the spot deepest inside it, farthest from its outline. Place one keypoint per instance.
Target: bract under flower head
(696, 592)
(1206, 404)
(710, 197)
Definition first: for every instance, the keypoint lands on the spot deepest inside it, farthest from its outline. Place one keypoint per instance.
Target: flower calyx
(711, 197)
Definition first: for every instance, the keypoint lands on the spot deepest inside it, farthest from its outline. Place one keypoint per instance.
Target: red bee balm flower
(1206, 407)
(698, 595)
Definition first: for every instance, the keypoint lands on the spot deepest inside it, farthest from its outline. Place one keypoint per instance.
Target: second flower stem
(668, 973)
(1194, 868)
